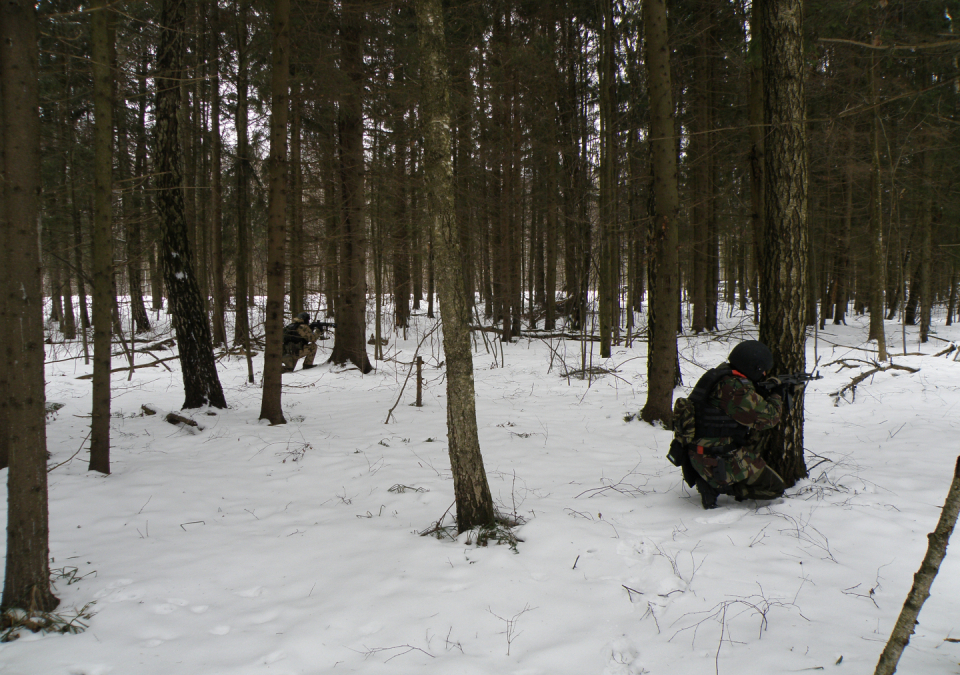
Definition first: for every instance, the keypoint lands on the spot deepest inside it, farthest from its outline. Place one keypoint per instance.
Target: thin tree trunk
(241, 333)
(296, 252)
(103, 293)
(664, 267)
(26, 582)
(926, 243)
(473, 498)
(270, 408)
(877, 266)
(922, 580)
(216, 191)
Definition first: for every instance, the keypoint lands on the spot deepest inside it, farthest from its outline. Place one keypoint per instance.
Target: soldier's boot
(708, 495)
(766, 485)
(289, 364)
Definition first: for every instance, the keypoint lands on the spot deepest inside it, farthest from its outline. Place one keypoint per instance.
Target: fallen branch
(142, 365)
(922, 580)
(852, 385)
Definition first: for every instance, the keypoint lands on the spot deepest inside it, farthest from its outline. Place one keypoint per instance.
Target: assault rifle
(322, 326)
(788, 385)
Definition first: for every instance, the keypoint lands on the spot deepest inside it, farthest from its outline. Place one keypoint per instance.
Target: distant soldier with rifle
(300, 341)
(717, 429)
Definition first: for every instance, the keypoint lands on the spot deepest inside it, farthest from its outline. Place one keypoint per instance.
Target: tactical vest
(712, 422)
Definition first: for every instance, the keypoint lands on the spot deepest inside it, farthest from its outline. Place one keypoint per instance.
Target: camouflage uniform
(730, 469)
(294, 348)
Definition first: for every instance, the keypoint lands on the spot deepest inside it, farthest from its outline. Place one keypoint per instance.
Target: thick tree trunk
(473, 498)
(350, 342)
(200, 380)
(103, 293)
(270, 408)
(784, 281)
(664, 267)
(26, 582)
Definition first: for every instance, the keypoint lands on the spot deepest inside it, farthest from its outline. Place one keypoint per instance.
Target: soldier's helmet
(304, 316)
(752, 358)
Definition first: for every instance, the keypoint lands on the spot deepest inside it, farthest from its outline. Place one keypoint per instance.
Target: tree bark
(26, 582)
(200, 380)
(783, 293)
(270, 408)
(473, 498)
(664, 271)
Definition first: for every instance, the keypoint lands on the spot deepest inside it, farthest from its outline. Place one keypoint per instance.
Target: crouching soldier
(730, 414)
(300, 342)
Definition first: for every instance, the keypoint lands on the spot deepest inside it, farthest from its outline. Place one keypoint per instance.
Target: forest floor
(241, 548)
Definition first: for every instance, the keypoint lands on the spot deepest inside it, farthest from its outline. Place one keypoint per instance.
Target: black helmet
(752, 358)
(304, 316)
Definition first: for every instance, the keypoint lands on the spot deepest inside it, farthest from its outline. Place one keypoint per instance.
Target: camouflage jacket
(738, 398)
(298, 330)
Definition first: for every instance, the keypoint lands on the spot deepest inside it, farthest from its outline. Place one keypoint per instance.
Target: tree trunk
(350, 342)
(926, 242)
(877, 266)
(784, 281)
(609, 267)
(26, 582)
(664, 271)
(297, 242)
(270, 408)
(216, 201)
(200, 380)
(473, 498)
(241, 334)
(103, 293)
(135, 225)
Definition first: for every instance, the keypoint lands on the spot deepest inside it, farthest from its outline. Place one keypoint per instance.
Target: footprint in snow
(622, 658)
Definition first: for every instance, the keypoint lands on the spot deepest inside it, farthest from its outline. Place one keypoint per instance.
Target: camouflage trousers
(291, 354)
(741, 472)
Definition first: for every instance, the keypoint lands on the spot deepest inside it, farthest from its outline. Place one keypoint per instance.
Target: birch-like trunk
(473, 498)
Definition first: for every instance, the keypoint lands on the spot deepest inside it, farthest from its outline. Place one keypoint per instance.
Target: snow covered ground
(294, 550)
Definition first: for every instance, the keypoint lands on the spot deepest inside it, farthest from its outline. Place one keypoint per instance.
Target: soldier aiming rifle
(717, 430)
(300, 341)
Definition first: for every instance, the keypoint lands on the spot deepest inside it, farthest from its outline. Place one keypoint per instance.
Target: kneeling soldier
(730, 415)
(300, 342)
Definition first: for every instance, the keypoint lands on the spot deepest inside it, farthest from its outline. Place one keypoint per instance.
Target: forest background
(554, 174)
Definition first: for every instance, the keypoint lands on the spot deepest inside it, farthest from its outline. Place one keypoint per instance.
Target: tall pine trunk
(103, 293)
(276, 226)
(26, 581)
(350, 342)
(783, 294)
(200, 380)
(664, 267)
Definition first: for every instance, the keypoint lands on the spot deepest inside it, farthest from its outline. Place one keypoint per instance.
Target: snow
(245, 548)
